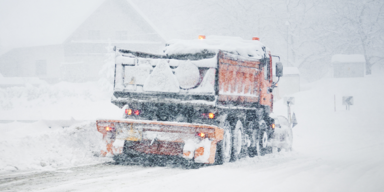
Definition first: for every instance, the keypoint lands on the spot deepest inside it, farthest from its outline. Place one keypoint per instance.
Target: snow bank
(34, 146)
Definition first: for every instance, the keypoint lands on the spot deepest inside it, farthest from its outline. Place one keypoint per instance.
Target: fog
(304, 33)
(41, 22)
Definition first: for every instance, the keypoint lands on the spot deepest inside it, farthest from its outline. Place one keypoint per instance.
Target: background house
(348, 65)
(82, 54)
(41, 62)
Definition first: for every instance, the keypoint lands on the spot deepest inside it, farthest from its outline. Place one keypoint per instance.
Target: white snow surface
(50, 142)
(35, 146)
(332, 151)
(216, 43)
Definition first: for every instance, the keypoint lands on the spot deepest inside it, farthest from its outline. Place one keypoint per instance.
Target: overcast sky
(40, 22)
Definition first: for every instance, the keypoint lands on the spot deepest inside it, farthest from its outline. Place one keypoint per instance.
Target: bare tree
(303, 34)
(360, 27)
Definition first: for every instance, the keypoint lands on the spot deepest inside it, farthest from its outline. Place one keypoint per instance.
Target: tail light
(256, 38)
(131, 111)
(209, 115)
(201, 36)
(108, 128)
(273, 125)
(202, 135)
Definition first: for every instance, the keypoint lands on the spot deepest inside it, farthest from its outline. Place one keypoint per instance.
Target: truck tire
(126, 156)
(237, 140)
(263, 143)
(254, 149)
(224, 147)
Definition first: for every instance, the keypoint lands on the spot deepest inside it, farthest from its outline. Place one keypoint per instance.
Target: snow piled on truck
(237, 45)
(161, 80)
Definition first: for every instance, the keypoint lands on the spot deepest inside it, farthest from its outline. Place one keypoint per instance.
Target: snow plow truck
(203, 101)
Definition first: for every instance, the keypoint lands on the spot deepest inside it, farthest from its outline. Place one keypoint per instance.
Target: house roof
(42, 22)
(343, 58)
(132, 12)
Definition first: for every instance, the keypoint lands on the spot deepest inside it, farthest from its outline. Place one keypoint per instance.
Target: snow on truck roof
(247, 48)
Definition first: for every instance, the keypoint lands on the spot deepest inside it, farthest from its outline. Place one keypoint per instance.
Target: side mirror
(279, 69)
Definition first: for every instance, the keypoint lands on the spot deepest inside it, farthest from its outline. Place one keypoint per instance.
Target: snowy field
(333, 150)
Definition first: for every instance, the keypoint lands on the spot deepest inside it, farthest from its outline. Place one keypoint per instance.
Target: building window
(93, 35)
(41, 67)
(121, 35)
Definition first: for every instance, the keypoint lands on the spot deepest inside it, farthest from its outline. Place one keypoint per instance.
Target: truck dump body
(232, 78)
(237, 79)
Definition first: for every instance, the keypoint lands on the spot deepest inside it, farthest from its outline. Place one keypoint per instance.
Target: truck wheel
(254, 148)
(126, 156)
(263, 143)
(237, 141)
(224, 147)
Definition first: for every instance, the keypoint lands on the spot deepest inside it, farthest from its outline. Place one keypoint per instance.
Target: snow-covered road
(333, 151)
(276, 172)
